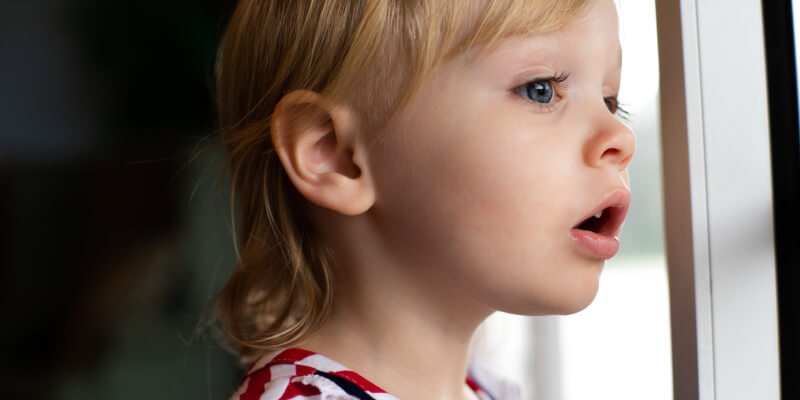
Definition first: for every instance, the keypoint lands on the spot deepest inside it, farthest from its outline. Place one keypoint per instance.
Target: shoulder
(300, 374)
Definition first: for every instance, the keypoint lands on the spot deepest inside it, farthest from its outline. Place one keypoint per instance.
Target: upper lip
(614, 207)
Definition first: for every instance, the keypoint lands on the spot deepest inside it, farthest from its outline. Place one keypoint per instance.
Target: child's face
(485, 176)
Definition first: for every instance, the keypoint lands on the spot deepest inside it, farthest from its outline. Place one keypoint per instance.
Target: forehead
(473, 29)
(591, 35)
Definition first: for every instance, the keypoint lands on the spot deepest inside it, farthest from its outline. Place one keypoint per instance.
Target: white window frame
(718, 200)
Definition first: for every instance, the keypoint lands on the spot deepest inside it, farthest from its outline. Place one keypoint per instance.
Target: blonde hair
(281, 289)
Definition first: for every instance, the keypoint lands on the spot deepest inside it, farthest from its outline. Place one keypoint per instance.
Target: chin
(558, 302)
(579, 293)
(560, 306)
(579, 299)
(576, 306)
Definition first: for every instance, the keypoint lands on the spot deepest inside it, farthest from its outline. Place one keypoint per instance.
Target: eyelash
(617, 108)
(558, 85)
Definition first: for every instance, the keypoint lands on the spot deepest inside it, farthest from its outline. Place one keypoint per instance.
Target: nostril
(612, 152)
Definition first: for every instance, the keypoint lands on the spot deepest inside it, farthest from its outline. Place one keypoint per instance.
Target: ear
(317, 143)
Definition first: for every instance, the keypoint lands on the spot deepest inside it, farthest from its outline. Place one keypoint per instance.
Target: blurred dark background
(115, 231)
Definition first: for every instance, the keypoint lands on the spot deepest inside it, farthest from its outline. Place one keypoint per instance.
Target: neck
(408, 335)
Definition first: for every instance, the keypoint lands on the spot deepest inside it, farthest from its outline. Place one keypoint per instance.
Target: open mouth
(605, 222)
(595, 235)
(608, 217)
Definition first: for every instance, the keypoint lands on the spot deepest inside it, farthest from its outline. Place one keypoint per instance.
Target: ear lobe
(317, 143)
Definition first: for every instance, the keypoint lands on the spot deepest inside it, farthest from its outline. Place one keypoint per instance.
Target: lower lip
(595, 245)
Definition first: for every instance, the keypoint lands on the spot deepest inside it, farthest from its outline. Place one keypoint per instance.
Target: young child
(405, 168)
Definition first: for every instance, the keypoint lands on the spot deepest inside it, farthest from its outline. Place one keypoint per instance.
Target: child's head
(421, 142)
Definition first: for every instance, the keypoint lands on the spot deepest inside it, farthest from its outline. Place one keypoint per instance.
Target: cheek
(487, 173)
(496, 183)
(485, 202)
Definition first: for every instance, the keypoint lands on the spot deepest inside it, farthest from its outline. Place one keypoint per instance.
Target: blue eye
(538, 92)
(543, 91)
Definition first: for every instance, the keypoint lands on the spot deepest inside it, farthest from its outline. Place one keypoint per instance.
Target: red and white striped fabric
(297, 374)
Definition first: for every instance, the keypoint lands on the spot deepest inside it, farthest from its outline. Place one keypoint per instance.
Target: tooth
(598, 215)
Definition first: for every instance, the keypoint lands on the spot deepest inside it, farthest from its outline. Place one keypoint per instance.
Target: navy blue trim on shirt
(349, 387)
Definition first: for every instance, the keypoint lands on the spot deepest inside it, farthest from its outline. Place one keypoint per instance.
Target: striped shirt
(297, 374)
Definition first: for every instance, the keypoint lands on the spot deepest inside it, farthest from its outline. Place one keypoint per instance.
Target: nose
(611, 144)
